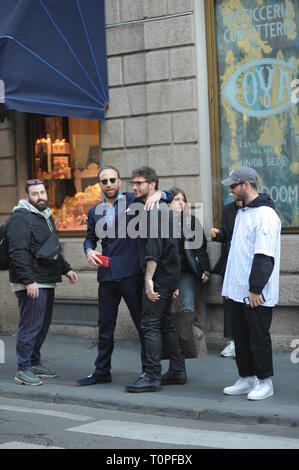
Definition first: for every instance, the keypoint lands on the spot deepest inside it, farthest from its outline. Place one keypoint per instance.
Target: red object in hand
(104, 260)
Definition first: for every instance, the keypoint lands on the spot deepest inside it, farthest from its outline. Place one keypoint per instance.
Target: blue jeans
(187, 286)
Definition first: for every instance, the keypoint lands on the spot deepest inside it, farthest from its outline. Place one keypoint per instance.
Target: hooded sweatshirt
(227, 227)
(255, 252)
(24, 204)
(27, 230)
(262, 265)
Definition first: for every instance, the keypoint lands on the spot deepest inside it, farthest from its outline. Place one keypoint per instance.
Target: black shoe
(94, 379)
(144, 384)
(174, 378)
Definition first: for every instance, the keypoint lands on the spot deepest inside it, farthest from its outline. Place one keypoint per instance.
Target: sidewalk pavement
(201, 398)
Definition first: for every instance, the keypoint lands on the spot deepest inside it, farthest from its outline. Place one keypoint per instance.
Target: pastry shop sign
(262, 87)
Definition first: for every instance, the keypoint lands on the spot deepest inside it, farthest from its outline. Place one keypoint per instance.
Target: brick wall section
(152, 118)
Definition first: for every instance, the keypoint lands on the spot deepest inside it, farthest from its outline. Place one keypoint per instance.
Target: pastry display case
(66, 155)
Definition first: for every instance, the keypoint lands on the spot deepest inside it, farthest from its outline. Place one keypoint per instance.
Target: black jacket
(26, 233)
(225, 236)
(195, 260)
(157, 243)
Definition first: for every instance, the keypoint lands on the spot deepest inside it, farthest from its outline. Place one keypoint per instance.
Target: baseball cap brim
(228, 182)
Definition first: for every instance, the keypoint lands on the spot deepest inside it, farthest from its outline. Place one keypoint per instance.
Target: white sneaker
(242, 386)
(262, 389)
(229, 350)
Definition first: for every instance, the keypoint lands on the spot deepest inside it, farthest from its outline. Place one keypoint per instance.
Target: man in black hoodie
(251, 281)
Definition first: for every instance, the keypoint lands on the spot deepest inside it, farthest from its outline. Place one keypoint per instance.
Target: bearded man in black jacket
(30, 231)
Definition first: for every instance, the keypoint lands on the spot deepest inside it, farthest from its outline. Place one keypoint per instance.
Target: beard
(39, 205)
(111, 195)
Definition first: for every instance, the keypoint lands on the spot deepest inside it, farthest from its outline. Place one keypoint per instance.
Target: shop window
(66, 154)
(253, 65)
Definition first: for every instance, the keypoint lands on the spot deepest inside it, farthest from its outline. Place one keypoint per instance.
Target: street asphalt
(201, 398)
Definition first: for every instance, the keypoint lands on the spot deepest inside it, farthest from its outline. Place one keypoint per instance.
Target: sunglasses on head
(106, 180)
(34, 181)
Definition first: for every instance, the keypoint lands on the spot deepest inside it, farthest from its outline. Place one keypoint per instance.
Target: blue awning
(53, 57)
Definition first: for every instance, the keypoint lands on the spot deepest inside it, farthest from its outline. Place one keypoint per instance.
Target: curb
(202, 409)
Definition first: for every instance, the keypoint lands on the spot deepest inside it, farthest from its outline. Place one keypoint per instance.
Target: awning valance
(53, 57)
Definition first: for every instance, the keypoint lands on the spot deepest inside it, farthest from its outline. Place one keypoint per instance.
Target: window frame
(214, 117)
(31, 168)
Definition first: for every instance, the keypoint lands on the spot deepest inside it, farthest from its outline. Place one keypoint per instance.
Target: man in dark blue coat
(108, 222)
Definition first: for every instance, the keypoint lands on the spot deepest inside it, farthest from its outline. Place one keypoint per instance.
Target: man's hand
(214, 232)
(176, 294)
(149, 290)
(255, 300)
(152, 200)
(32, 290)
(205, 278)
(72, 276)
(93, 259)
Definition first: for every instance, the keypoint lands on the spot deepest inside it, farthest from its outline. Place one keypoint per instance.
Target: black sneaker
(144, 384)
(174, 378)
(94, 379)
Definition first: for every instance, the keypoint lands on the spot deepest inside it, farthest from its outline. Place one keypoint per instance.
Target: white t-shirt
(17, 287)
(256, 231)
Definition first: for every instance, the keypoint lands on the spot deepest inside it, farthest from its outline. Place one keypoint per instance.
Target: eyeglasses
(33, 182)
(137, 183)
(105, 181)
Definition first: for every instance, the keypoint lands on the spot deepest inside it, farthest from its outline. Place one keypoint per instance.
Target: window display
(257, 57)
(66, 155)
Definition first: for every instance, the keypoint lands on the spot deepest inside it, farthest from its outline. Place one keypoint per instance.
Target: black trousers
(110, 295)
(228, 319)
(157, 321)
(252, 340)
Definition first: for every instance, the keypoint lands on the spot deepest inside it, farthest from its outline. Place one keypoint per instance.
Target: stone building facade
(158, 116)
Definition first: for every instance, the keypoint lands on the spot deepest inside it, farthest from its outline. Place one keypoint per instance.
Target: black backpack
(4, 254)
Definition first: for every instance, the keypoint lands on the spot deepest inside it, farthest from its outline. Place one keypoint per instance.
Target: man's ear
(152, 186)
